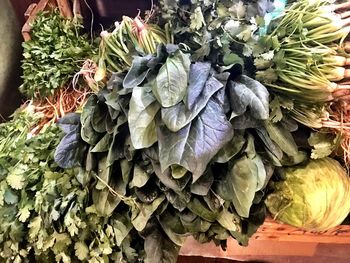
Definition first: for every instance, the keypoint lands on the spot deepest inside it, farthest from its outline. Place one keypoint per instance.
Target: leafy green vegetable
(188, 147)
(141, 118)
(53, 55)
(171, 82)
(48, 214)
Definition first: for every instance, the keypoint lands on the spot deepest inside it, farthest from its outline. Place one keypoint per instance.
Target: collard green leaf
(88, 133)
(140, 177)
(179, 200)
(198, 225)
(69, 152)
(69, 123)
(203, 184)
(178, 116)
(141, 216)
(173, 227)
(242, 181)
(245, 121)
(246, 92)
(271, 146)
(98, 120)
(103, 144)
(88, 108)
(117, 147)
(200, 208)
(166, 178)
(104, 173)
(282, 137)
(141, 118)
(195, 145)
(261, 172)
(105, 203)
(199, 73)
(230, 221)
(121, 227)
(159, 248)
(138, 72)
(171, 82)
(231, 149)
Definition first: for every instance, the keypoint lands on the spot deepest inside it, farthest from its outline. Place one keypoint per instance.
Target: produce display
(200, 118)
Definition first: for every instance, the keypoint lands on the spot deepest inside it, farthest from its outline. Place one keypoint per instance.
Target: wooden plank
(32, 12)
(272, 230)
(65, 8)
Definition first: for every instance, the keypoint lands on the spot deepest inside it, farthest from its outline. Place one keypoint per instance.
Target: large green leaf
(122, 227)
(140, 177)
(196, 144)
(143, 109)
(199, 208)
(246, 92)
(173, 227)
(141, 215)
(199, 73)
(231, 149)
(159, 248)
(138, 72)
(105, 202)
(244, 178)
(282, 137)
(178, 116)
(172, 80)
(230, 221)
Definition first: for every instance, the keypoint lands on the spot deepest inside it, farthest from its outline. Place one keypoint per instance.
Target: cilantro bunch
(53, 55)
(47, 212)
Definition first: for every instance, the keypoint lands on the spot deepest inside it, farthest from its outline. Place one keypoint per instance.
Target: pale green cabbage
(315, 196)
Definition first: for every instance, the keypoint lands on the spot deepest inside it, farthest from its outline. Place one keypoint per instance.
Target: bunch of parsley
(53, 55)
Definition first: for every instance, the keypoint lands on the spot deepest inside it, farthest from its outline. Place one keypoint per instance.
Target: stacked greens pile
(180, 141)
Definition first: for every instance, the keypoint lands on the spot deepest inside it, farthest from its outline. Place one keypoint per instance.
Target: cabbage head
(314, 196)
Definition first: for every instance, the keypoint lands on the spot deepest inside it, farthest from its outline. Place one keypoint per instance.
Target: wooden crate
(44, 5)
(272, 230)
